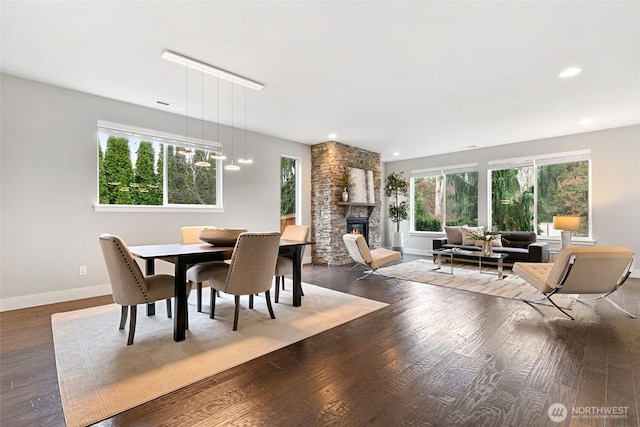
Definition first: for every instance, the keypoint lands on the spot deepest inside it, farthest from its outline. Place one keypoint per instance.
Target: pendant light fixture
(218, 155)
(185, 151)
(220, 73)
(245, 159)
(231, 166)
(202, 163)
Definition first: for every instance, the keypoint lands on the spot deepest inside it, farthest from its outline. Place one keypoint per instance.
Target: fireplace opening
(359, 225)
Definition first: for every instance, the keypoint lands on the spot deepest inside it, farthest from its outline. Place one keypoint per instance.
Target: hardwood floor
(434, 356)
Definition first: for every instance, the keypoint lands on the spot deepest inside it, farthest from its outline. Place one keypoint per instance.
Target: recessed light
(396, 154)
(332, 136)
(570, 72)
(585, 121)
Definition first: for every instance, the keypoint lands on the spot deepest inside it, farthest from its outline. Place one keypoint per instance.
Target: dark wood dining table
(185, 255)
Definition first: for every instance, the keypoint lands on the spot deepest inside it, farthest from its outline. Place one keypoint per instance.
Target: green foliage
(121, 183)
(117, 172)
(512, 207)
(395, 187)
(147, 189)
(563, 189)
(287, 186)
(462, 198)
(427, 223)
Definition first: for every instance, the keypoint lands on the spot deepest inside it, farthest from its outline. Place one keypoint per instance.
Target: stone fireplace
(329, 162)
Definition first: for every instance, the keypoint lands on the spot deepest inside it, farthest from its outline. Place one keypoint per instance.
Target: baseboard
(34, 300)
(635, 273)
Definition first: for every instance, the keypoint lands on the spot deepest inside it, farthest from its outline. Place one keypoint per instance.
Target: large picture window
(444, 197)
(527, 193)
(140, 167)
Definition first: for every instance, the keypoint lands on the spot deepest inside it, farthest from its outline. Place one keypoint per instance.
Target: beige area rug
(467, 277)
(100, 376)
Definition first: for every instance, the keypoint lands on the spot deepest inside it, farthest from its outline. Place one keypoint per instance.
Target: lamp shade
(566, 223)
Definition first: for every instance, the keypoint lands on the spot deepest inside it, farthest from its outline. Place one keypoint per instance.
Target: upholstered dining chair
(597, 270)
(200, 272)
(371, 259)
(249, 272)
(284, 266)
(129, 286)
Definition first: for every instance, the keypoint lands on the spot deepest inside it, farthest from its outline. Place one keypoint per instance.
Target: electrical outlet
(83, 270)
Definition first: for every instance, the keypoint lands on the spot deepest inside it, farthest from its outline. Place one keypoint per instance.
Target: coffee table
(451, 253)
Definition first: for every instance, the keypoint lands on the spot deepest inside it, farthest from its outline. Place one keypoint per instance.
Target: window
(289, 192)
(444, 197)
(141, 167)
(527, 193)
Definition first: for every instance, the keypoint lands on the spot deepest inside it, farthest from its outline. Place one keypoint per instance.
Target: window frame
(535, 162)
(165, 138)
(434, 172)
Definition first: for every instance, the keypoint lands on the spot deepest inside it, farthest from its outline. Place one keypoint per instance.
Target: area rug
(100, 376)
(468, 277)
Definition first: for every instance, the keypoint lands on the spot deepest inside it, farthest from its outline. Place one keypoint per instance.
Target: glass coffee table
(459, 253)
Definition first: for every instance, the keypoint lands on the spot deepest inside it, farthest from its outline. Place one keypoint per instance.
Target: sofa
(518, 245)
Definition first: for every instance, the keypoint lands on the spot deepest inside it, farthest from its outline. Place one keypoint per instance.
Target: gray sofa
(519, 245)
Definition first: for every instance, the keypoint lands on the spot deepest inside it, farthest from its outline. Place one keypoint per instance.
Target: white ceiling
(420, 78)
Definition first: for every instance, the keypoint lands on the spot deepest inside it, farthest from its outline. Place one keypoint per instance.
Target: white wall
(48, 156)
(615, 155)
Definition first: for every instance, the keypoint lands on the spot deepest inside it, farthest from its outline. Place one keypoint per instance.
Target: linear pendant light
(210, 69)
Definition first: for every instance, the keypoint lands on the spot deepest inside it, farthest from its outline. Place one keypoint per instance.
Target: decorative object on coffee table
(487, 236)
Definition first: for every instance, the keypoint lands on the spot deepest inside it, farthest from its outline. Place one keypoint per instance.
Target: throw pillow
(467, 240)
(454, 235)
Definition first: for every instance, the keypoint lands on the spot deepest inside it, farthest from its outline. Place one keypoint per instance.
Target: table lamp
(567, 224)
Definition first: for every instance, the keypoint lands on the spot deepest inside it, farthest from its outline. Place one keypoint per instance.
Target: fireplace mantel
(347, 207)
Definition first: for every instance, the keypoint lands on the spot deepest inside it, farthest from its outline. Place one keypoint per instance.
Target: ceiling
(417, 78)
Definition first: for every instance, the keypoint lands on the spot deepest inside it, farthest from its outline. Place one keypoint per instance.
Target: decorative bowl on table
(220, 236)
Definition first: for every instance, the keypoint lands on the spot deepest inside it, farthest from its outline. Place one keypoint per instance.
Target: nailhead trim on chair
(127, 260)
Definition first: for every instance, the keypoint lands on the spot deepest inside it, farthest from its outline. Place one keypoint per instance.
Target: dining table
(185, 255)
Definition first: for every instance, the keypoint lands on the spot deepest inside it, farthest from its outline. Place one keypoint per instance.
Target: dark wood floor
(434, 356)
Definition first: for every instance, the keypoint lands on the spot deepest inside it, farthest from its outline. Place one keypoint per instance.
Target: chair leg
(169, 308)
(277, 288)
(282, 277)
(123, 316)
(369, 273)
(132, 323)
(235, 315)
(267, 295)
(212, 303)
(199, 296)
(548, 298)
(606, 298)
(251, 301)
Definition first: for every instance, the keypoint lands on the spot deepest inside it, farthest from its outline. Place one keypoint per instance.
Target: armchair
(589, 270)
(371, 259)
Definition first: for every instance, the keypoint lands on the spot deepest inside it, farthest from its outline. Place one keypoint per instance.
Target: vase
(345, 195)
(487, 248)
